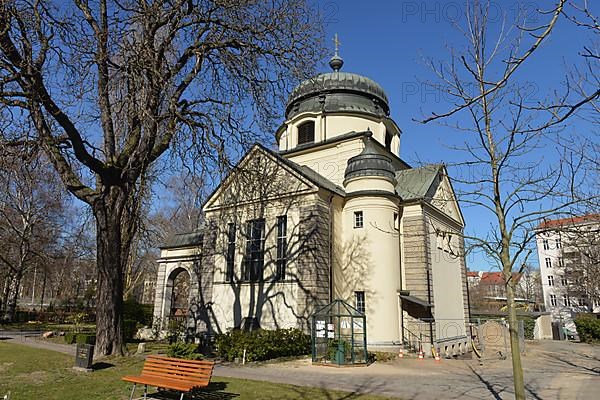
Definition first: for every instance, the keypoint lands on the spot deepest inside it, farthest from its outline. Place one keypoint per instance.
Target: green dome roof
(338, 91)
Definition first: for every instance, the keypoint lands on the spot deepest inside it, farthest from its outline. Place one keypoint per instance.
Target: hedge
(70, 337)
(588, 328)
(84, 338)
(188, 351)
(129, 329)
(263, 344)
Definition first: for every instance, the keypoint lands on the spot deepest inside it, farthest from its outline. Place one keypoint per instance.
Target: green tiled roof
(414, 183)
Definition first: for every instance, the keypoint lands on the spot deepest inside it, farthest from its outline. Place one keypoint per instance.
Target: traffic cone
(437, 355)
(401, 353)
(420, 354)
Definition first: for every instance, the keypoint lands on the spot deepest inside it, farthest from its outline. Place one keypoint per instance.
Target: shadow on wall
(269, 233)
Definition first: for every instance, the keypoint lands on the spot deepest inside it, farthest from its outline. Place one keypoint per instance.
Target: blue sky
(386, 40)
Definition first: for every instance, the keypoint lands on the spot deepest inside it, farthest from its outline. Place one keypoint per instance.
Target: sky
(387, 40)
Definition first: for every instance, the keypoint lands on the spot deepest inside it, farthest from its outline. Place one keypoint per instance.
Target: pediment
(443, 197)
(259, 176)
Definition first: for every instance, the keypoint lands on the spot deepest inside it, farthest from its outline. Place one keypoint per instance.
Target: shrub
(262, 345)
(588, 328)
(189, 351)
(140, 313)
(84, 338)
(529, 326)
(129, 329)
(70, 337)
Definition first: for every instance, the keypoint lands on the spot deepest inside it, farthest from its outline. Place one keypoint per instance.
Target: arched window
(306, 132)
(388, 141)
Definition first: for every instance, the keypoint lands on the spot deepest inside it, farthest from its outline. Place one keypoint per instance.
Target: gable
(259, 176)
(443, 198)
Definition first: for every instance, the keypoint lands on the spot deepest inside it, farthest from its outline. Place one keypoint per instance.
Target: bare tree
(109, 87)
(504, 144)
(30, 208)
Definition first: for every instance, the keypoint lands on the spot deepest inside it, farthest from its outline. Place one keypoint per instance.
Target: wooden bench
(172, 373)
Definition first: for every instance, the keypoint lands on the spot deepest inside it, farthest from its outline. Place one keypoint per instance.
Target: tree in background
(108, 88)
(505, 142)
(31, 207)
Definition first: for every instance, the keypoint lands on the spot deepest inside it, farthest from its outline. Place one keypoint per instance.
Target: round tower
(370, 225)
(333, 104)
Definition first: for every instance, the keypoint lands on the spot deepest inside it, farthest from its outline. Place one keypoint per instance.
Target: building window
(550, 280)
(548, 262)
(230, 252)
(255, 250)
(558, 244)
(582, 302)
(553, 300)
(359, 301)
(388, 141)
(566, 300)
(561, 262)
(281, 247)
(358, 219)
(306, 132)
(564, 281)
(546, 244)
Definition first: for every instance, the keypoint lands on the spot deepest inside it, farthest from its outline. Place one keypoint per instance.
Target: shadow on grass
(214, 391)
(101, 365)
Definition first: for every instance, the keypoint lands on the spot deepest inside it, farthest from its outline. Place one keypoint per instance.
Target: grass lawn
(30, 373)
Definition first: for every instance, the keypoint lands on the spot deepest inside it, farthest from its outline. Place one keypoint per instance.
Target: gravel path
(553, 370)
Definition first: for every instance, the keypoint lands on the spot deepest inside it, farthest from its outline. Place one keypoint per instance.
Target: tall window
(359, 301)
(561, 262)
(553, 300)
(281, 247)
(230, 252)
(566, 300)
(255, 250)
(546, 244)
(558, 243)
(388, 141)
(550, 280)
(358, 219)
(306, 132)
(581, 302)
(548, 262)
(564, 281)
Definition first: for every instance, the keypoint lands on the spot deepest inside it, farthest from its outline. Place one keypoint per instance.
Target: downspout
(429, 287)
(331, 248)
(401, 319)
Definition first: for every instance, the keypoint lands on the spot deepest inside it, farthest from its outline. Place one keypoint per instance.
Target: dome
(369, 162)
(338, 91)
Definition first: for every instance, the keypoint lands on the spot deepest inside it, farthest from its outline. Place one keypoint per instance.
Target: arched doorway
(179, 294)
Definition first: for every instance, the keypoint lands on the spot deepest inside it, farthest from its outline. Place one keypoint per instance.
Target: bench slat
(174, 373)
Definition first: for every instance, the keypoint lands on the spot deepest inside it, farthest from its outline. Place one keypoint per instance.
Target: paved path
(553, 370)
(32, 339)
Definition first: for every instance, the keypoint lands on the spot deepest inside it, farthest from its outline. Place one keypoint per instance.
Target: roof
(185, 239)
(416, 300)
(496, 278)
(552, 223)
(413, 184)
(369, 162)
(307, 173)
(473, 274)
(338, 91)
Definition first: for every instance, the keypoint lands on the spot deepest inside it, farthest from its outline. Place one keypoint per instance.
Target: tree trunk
(10, 311)
(109, 305)
(513, 326)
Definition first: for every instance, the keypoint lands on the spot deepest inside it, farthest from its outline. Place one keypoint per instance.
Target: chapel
(332, 212)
